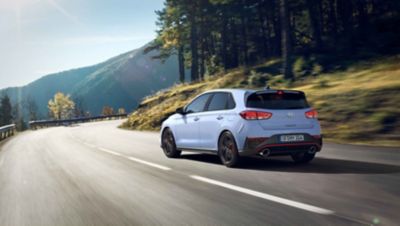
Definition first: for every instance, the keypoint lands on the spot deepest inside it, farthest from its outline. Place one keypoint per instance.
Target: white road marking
(149, 163)
(136, 159)
(110, 152)
(272, 198)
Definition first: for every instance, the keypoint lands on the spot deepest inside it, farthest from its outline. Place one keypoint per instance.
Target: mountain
(120, 82)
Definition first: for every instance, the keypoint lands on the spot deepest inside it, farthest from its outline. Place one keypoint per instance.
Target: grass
(358, 105)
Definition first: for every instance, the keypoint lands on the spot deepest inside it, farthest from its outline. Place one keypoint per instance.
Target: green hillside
(119, 82)
(360, 104)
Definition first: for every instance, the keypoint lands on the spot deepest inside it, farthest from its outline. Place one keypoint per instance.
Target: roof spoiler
(268, 90)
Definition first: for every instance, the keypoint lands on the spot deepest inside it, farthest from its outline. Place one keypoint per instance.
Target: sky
(39, 37)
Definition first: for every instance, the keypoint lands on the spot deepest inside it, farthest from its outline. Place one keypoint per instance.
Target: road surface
(97, 174)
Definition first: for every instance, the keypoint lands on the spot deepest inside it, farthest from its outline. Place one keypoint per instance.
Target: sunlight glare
(16, 4)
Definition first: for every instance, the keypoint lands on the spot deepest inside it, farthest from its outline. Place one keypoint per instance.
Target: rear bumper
(273, 147)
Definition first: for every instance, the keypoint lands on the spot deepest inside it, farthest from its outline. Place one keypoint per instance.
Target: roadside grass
(360, 104)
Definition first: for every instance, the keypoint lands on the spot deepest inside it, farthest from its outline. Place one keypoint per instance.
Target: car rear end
(278, 122)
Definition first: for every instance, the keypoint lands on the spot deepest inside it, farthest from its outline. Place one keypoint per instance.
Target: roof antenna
(267, 88)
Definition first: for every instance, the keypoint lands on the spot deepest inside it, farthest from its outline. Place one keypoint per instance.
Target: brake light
(255, 115)
(280, 92)
(311, 114)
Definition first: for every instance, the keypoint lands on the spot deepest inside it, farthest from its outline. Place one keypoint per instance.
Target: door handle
(220, 117)
(196, 119)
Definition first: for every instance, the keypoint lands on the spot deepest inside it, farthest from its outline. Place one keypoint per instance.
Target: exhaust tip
(312, 150)
(265, 153)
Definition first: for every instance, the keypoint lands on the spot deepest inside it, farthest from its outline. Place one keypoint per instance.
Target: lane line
(149, 163)
(135, 159)
(110, 152)
(265, 196)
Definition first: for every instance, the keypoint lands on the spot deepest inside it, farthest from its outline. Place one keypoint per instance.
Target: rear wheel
(227, 150)
(303, 157)
(168, 144)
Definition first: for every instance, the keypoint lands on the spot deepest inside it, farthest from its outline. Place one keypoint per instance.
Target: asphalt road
(97, 174)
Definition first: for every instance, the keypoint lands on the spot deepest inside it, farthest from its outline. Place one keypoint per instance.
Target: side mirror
(180, 111)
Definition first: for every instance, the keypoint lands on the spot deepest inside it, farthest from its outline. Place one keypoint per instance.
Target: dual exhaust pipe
(266, 152)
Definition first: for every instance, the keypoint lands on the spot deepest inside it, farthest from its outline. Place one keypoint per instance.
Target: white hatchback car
(238, 122)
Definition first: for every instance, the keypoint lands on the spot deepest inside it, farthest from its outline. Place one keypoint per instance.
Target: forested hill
(120, 82)
(214, 35)
(342, 53)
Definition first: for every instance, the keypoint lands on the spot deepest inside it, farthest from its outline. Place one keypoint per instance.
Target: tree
(171, 36)
(5, 111)
(194, 71)
(18, 117)
(313, 11)
(121, 111)
(79, 107)
(107, 111)
(213, 35)
(286, 42)
(31, 108)
(61, 107)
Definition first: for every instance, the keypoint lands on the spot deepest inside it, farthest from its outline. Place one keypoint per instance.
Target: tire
(168, 144)
(303, 157)
(227, 150)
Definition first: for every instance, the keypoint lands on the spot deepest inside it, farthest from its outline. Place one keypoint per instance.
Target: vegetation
(107, 110)
(61, 107)
(6, 117)
(17, 115)
(121, 81)
(358, 105)
(211, 35)
(121, 111)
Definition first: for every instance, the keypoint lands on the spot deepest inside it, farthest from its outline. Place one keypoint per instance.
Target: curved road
(97, 174)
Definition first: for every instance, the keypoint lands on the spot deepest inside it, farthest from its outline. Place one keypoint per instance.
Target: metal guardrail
(49, 123)
(7, 131)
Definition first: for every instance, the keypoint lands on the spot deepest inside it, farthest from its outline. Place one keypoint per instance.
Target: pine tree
(5, 111)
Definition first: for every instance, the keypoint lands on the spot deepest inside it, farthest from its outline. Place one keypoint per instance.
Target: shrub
(317, 69)
(299, 67)
(258, 79)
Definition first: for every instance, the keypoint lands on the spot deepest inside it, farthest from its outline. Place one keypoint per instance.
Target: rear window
(277, 101)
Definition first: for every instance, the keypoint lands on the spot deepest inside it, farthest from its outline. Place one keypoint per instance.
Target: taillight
(255, 115)
(311, 114)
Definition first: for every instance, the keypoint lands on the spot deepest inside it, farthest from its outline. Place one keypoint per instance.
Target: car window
(219, 101)
(198, 104)
(231, 102)
(277, 101)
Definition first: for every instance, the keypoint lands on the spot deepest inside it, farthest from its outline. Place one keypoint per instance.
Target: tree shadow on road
(317, 166)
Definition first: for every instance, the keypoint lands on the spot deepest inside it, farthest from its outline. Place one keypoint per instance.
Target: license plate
(292, 138)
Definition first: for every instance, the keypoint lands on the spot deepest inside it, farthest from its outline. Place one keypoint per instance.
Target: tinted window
(231, 102)
(198, 104)
(277, 101)
(219, 101)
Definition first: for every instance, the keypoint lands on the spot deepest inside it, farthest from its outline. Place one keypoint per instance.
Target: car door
(187, 125)
(213, 119)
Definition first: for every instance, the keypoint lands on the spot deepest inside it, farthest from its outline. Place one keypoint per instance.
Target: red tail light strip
(313, 114)
(255, 115)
